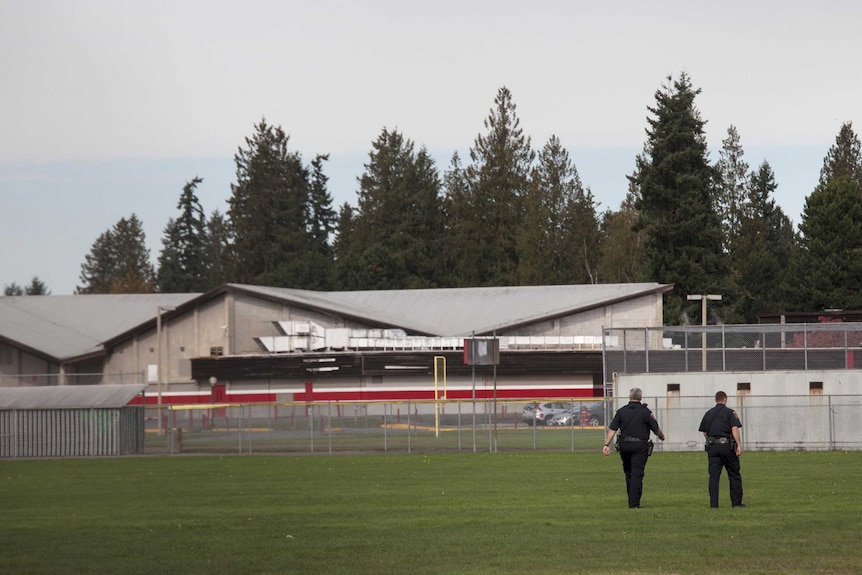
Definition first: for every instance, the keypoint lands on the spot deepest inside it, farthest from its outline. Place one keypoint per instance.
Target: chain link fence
(369, 427)
(721, 348)
(769, 423)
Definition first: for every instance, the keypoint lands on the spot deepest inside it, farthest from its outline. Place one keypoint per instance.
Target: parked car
(595, 415)
(541, 413)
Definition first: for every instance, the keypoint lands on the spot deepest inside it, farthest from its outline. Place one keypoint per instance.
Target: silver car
(593, 414)
(544, 412)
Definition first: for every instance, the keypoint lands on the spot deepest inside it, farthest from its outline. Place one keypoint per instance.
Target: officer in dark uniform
(720, 426)
(634, 421)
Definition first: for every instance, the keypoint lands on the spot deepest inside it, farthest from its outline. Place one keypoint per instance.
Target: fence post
(310, 416)
(385, 430)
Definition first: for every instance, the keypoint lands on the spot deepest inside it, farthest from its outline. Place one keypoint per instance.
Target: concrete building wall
(192, 334)
(778, 409)
(18, 367)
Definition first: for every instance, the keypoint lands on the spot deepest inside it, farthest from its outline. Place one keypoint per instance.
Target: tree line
(514, 215)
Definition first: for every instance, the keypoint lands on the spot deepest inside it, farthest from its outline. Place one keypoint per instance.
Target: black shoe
(634, 506)
(713, 506)
(739, 505)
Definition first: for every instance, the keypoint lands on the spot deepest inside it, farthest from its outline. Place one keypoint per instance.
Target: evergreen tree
(676, 205)
(581, 224)
(322, 217)
(761, 250)
(218, 250)
(731, 185)
(13, 289)
(558, 241)
(315, 267)
(399, 217)
(99, 267)
(462, 253)
(134, 272)
(268, 210)
(348, 273)
(424, 256)
(498, 177)
(844, 158)
(119, 261)
(183, 264)
(170, 268)
(622, 247)
(830, 243)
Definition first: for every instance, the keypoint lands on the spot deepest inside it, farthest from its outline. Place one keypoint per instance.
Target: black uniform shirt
(634, 420)
(719, 421)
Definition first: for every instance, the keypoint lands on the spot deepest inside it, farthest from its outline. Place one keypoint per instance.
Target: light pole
(159, 311)
(703, 298)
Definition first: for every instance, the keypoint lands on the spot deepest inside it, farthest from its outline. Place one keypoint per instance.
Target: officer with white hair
(633, 421)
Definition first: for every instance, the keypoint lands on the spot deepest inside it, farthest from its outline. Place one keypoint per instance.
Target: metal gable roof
(69, 396)
(463, 311)
(66, 326)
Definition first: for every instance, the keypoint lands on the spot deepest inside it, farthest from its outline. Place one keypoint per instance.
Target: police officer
(720, 426)
(634, 421)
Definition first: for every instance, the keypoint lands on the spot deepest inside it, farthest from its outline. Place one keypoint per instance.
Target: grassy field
(513, 513)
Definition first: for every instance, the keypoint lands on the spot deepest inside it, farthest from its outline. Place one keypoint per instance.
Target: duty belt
(624, 439)
(720, 440)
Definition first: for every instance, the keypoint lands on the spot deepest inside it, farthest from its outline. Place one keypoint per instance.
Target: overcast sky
(109, 107)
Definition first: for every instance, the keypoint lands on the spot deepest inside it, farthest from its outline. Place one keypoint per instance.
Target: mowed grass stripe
(436, 513)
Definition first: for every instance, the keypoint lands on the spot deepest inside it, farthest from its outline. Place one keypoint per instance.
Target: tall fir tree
(558, 242)
(183, 263)
(99, 267)
(461, 251)
(762, 248)
(322, 216)
(314, 269)
(268, 210)
(426, 261)
(676, 204)
(732, 185)
(844, 158)
(119, 261)
(621, 245)
(399, 216)
(830, 233)
(830, 244)
(170, 273)
(218, 250)
(347, 272)
(498, 176)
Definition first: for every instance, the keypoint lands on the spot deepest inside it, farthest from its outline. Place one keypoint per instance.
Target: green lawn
(439, 513)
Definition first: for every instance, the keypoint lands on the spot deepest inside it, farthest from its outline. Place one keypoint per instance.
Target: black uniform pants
(723, 456)
(634, 455)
